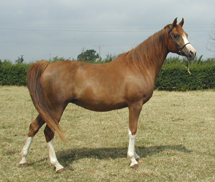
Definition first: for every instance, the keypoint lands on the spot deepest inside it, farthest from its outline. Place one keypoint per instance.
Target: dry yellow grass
(175, 139)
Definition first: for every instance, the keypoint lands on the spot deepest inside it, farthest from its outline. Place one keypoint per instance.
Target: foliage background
(173, 74)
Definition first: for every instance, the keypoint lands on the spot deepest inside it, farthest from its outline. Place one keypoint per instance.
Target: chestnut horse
(127, 81)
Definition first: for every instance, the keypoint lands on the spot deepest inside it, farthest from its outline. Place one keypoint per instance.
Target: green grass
(175, 139)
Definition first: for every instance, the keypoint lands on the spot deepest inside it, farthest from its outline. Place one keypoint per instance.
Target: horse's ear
(171, 26)
(182, 22)
(174, 23)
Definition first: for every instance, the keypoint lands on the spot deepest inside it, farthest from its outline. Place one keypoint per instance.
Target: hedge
(173, 75)
(13, 74)
(176, 77)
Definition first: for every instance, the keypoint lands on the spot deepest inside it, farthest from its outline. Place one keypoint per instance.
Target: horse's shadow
(68, 156)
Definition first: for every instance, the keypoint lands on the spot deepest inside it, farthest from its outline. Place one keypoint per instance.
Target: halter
(177, 46)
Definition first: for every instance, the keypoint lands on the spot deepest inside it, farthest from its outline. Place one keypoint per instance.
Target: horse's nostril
(193, 53)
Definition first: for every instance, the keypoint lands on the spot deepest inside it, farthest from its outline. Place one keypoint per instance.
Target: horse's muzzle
(189, 52)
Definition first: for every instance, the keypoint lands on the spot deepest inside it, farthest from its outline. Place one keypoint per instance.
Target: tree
(56, 58)
(88, 56)
(211, 41)
(20, 59)
(109, 58)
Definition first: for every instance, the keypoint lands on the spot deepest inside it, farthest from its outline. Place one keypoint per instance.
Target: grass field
(176, 140)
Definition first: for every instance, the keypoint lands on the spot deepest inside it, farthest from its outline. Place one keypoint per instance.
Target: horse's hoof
(135, 166)
(63, 170)
(139, 160)
(24, 164)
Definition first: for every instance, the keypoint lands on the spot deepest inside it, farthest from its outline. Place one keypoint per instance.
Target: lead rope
(203, 81)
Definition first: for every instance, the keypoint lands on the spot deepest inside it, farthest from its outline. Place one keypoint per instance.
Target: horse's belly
(99, 97)
(99, 105)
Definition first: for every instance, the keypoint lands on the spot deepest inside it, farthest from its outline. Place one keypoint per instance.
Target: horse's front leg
(134, 112)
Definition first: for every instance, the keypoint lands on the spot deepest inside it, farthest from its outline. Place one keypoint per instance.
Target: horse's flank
(37, 95)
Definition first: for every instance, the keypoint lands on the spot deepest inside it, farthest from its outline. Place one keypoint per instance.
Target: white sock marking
(25, 150)
(52, 156)
(131, 149)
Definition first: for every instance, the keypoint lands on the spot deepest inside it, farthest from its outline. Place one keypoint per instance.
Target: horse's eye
(176, 36)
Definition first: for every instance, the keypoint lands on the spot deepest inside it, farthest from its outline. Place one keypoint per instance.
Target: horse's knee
(133, 131)
(49, 134)
(133, 128)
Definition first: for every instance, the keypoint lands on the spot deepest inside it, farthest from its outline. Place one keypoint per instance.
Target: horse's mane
(147, 53)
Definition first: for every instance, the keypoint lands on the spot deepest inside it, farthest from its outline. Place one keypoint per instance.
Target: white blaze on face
(189, 47)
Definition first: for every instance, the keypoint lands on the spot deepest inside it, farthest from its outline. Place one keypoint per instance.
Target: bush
(13, 74)
(173, 74)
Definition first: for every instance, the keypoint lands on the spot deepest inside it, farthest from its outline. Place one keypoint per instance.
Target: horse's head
(178, 40)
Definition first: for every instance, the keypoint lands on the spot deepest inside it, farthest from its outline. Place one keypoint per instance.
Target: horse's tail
(35, 89)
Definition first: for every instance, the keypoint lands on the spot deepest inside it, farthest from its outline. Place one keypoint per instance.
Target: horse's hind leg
(52, 156)
(33, 129)
(49, 134)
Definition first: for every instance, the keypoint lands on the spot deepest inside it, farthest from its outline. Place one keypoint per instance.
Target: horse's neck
(154, 52)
